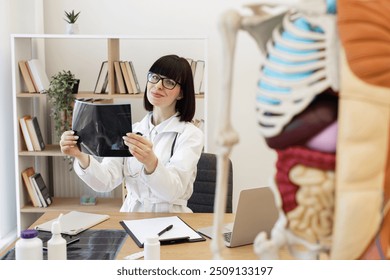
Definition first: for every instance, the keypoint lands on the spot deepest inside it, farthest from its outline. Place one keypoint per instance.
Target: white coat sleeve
(101, 177)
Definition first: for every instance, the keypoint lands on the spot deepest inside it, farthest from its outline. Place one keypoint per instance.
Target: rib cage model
(301, 63)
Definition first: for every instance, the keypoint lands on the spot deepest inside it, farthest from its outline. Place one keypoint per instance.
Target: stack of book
(197, 67)
(126, 81)
(34, 76)
(32, 133)
(36, 188)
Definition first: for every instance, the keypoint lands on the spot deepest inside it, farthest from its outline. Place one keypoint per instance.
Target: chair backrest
(202, 199)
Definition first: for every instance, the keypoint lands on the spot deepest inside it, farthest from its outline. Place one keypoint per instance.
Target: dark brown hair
(178, 69)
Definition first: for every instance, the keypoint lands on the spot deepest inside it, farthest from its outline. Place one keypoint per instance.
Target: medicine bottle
(56, 246)
(152, 248)
(29, 246)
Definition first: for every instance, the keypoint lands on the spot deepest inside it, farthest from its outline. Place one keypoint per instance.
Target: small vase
(75, 88)
(72, 28)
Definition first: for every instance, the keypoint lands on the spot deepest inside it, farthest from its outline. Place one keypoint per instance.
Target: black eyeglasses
(166, 82)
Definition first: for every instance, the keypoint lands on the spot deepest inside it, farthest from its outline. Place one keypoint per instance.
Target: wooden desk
(183, 251)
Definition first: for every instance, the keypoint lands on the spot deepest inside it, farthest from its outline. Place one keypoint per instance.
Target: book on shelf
(105, 85)
(37, 191)
(32, 78)
(202, 84)
(25, 132)
(26, 174)
(137, 90)
(132, 76)
(198, 76)
(119, 78)
(190, 60)
(26, 76)
(193, 65)
(126, 77)
(35, 134)
(102, 80)
(41, 188)
(39, 75)
(39, 133)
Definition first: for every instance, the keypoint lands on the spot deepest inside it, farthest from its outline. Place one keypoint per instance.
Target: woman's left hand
(142, 149)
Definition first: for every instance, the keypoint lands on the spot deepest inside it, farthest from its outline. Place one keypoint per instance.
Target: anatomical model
(324, 86)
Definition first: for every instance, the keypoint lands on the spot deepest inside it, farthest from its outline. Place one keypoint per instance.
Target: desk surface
(184, 251)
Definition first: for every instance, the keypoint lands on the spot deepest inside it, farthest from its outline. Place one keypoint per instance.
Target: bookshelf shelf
(93, 95)
(30, 95)
(73, 203)
(108, 96)
(83, 55)
(84, 94)
(120, 96)
(50, 150)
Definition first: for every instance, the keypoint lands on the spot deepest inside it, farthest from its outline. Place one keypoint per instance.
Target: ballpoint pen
(165, 230)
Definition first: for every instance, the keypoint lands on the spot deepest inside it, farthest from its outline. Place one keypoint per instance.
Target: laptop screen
(256, 212)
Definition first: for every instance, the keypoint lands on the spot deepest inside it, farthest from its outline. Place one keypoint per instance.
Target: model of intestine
(323, 104)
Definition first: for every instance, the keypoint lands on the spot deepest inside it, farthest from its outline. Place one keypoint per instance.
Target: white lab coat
(170, 186)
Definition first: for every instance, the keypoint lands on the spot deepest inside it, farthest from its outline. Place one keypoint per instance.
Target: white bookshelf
(82, 55)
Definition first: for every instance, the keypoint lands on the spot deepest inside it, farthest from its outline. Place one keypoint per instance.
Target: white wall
(16, 16)
(253, 162)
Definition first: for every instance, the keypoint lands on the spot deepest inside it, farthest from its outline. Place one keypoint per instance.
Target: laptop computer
(256, 212)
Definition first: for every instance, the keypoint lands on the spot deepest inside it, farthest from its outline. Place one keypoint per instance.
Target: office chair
(202, 199)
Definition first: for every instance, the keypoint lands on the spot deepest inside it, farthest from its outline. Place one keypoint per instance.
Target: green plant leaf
(61, 98)
(71, 17)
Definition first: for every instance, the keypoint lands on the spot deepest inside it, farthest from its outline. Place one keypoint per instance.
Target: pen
(165, 230)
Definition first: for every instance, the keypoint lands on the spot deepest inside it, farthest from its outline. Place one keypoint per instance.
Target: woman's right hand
(69, 147)
(68, 144)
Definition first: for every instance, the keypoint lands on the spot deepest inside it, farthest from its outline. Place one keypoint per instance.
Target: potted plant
(61, 98)
(71, 18)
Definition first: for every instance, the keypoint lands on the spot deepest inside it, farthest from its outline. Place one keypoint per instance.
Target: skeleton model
(313, 96)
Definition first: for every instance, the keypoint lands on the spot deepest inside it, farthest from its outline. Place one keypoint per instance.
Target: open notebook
(74, 222)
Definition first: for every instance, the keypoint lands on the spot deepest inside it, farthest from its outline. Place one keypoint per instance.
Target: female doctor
(165, 145)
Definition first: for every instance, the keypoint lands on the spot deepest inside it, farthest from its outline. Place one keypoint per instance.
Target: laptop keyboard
(227, 236)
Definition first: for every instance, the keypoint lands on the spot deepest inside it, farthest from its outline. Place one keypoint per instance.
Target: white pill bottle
(29, 246)
(152, 248)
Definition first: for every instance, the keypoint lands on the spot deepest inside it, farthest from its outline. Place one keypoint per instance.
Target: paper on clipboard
(75, 222)
(140, 229)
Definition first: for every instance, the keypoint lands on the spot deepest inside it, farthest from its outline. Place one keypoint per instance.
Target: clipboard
(75, 222)
(140, 229)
